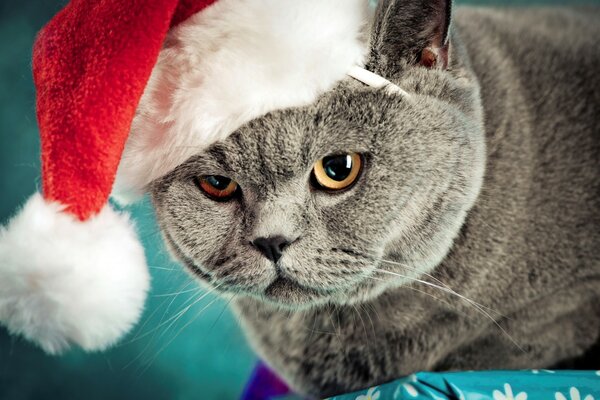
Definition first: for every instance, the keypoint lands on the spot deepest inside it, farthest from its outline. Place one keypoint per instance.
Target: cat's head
(300, 206)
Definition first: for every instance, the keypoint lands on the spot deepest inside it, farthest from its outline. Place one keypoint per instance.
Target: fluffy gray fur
(484, 183)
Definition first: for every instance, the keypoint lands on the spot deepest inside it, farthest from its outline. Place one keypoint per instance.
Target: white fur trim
(63, 281)
(230, 63)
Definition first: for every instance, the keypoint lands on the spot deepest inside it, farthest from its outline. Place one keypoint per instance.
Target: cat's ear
(413, 31)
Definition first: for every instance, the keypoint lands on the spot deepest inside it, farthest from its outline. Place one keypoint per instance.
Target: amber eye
(337, 172)
(217, 187)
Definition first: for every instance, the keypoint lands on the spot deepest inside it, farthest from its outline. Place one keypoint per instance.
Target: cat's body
(529, 249)
(531, 241)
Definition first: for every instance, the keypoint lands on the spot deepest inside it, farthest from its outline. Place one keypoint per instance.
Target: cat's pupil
(218, 182)
(338, 168)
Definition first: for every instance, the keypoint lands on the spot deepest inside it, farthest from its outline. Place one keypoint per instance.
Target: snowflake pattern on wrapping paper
(372, 394)
(494, 385)
(407, 385)
(508, 394)
(573, 395)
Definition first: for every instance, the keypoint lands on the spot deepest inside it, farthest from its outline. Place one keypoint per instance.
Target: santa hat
(126, 91)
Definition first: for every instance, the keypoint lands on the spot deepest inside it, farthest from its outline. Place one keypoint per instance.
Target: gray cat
(371, 234)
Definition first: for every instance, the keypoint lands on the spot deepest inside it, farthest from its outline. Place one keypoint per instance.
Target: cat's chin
(290, 294)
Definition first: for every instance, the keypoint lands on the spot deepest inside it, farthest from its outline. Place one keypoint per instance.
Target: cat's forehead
(343, 120)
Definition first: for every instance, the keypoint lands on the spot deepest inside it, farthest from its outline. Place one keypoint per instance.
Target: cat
(469, 234)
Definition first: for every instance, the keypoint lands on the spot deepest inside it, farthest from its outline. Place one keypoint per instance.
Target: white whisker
(447, 303)
(446, 287)
(176, 293)
(173, 319)
(481, 310)
(193, 319)
(149, 318)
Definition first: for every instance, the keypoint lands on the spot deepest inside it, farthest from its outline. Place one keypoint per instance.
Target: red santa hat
(126, 91)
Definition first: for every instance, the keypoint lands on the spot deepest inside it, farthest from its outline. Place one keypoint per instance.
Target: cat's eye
(217, 187)
(337, 172)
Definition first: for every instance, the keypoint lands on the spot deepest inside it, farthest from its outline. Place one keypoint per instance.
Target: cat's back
(538, 70)
(550, 55)
(523, 27)
(531, 34)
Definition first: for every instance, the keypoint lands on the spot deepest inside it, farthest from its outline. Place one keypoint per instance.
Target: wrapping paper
(496, 385)
(468, 385)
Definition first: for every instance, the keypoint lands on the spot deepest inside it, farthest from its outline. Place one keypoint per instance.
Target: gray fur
(487, 178)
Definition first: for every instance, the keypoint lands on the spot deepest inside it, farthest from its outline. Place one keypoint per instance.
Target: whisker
(312, 330)
(197, 290)
(173, 320)
(472, 302)
(193, 319)
(163, 268)
(178, 314)
(372, 307)
(361, 306)
(442, 286)
(181, 313)
(482, 311)
(447, 303)
(335, 329)
(445, 287)
(225, 307)
(149, 318)
(176, 293)
(362, 322)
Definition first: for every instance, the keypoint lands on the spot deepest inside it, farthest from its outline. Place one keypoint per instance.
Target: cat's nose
(272, 246)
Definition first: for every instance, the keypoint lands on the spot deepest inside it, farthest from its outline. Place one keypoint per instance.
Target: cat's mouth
(283, 290)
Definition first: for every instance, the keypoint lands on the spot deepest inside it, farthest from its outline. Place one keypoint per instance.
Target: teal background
(197, 354)
(201, 355)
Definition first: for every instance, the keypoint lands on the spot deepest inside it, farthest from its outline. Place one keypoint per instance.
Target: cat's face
(421, 163)
(304, 206)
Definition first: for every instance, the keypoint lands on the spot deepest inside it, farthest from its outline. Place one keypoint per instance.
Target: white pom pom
(63, 281)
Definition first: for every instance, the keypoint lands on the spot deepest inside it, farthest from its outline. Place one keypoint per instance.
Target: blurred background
(188, 344)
